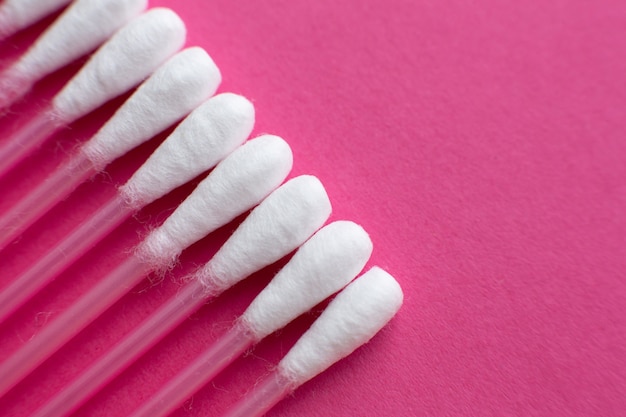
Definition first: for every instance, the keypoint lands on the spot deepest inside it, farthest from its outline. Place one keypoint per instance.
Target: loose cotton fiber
(80, 29)
(16, 15)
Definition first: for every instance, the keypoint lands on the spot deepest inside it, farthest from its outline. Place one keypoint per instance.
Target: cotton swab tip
(238, 183)
(81, 28)
(16, 15)
(132, 54)
(322, 266)
(280, 224)
(179, 86)
(349, 321)
(204, 138)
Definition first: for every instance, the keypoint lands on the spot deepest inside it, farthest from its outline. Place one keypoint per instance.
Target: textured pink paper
(482, 145)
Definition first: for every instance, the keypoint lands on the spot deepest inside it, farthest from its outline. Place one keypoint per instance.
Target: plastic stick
(119, 357)
(77, 243)
(320, 267)
(71, 322)
(213, 130)
(30, 136)
(295, 210)
(225, 194)
(224, 351)
(264, 396)
(75, 170)
(175, 89)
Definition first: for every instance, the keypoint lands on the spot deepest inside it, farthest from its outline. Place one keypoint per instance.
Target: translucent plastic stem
(76, 244)
(125, 352)
(198, 373)
(264, 396)
(75, 170)
(71, 322)
(27, 139)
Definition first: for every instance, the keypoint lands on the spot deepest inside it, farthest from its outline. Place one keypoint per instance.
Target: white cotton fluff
(237, 184)
(16, 15)
(278, 226)
(349, 321)
(204, 138)
(322, 266)
(130, 56)
(80, 29)
(175, 89)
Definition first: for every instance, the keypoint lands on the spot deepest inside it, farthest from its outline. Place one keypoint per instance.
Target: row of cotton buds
(174, 87)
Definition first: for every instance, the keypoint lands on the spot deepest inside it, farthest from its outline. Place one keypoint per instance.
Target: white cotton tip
(16, 15)
(79, 30)
(349, 321)
(130, 56)
(322, 266)
(279, 225)
(175, 89)
(237, 184)
(204, 138)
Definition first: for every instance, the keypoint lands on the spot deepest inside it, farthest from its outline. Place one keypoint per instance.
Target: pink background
(482, 146)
